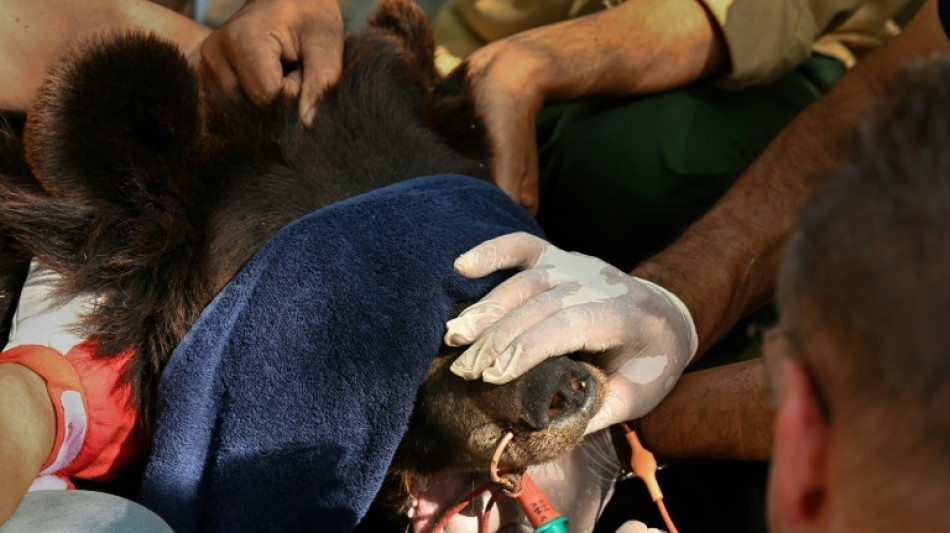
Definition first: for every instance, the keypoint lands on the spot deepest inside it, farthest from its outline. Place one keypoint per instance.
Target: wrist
(509, 67)
(686, 325)
(674, 271)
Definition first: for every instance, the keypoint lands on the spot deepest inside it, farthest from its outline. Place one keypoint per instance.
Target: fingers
(257, 65)
(240, 55)
(508, 251)
(563, 332)
(515, 157)
(290, 85)
(508, 100)
(215, 65)
(616, 405)
(635, 389)
(501, 253)
(535, 331)
(250, 50)
(321, 60)
(496, 353)
(515, 291)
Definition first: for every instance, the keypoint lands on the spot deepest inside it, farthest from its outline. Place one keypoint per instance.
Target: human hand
(632, 526)
(578, 485)
(248, 51)
(642, 335)
(504, 82)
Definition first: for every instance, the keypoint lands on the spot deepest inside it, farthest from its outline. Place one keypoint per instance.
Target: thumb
(617, 405)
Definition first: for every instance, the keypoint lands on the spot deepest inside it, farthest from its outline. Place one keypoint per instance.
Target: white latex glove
(579, 485)
(562, 303)
(633, 526)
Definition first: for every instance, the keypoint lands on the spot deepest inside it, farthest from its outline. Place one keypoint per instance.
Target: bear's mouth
(430, 498)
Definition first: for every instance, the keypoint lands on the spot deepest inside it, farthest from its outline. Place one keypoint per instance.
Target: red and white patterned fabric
(97, 432)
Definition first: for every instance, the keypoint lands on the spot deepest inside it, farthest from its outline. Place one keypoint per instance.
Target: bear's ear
(122, 113)
(410, 24)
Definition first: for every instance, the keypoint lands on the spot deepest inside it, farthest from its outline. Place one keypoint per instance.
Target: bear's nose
(556, 389)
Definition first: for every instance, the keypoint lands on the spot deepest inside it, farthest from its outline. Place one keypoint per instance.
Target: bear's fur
(154, 191)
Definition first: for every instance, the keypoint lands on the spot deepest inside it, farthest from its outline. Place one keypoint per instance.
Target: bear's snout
(556, 391)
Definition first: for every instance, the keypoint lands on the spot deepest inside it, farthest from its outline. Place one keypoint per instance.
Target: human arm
(606, 312)
(248, 51)
(724, 265)
(41, 393)
(597, 54)
(35, 33)
(27, 424)
(719, 413)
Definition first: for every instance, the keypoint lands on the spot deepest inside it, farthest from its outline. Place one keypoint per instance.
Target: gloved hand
(247, 51)
(561, 303)
(579, 485)
(632, 526)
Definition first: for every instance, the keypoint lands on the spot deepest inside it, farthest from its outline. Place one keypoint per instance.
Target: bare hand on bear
(504, 85)
(249, 51)
(641, 334)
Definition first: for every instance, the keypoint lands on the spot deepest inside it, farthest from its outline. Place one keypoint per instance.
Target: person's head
(861, 356)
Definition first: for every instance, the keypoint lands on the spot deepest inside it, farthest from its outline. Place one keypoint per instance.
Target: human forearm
(640, 46)
(724, 265)
(34, 34)
(735, 248)
(721, 413)
(27, 425)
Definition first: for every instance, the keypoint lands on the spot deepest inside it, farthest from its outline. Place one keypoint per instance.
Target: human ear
(799, 479)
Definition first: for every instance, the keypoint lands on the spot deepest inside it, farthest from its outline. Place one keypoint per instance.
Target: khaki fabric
(766, 38)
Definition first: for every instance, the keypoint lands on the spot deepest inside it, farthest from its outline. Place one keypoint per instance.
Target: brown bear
(156, 192)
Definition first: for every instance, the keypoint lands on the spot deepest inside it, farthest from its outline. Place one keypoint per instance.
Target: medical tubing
(666, 516)
(464, 502)
(536, 505)
(644, 466)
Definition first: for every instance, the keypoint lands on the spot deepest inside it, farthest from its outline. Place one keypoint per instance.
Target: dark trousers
(621, 178)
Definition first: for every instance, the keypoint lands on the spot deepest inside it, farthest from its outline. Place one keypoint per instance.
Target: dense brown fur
(13, 259)
(155, 193)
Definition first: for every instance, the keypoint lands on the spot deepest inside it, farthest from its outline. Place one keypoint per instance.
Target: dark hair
(869, 270)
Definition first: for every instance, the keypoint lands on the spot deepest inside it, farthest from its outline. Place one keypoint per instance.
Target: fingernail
(461, 370)
(461, 263)
(455, 340)
(457, 333)
(309, 117)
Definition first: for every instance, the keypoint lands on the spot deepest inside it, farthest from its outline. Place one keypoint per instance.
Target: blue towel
(282, 407)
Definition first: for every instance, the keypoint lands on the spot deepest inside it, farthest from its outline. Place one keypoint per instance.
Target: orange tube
(535, 504)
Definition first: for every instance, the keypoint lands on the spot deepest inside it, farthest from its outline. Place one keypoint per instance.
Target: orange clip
(644, 465)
